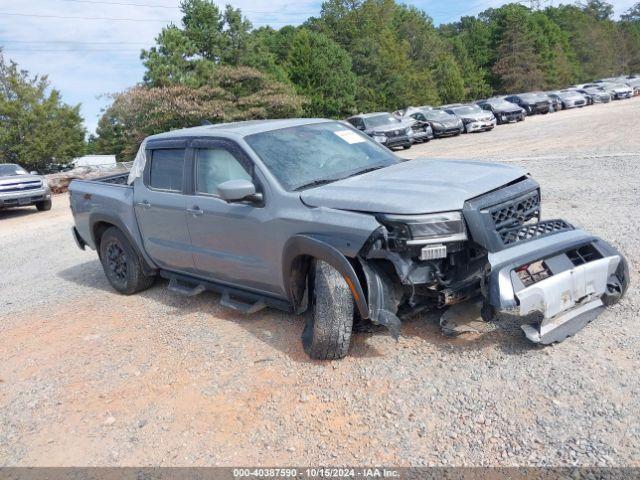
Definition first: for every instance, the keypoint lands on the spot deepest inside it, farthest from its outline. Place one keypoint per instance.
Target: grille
(510, 236)
(516, 212)
(20, 186)
(394, 133)
(584, 254)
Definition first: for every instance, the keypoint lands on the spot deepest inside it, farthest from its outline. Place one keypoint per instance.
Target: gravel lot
(88, 377)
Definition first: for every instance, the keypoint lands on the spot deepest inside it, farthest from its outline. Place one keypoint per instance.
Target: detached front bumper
(566, 277)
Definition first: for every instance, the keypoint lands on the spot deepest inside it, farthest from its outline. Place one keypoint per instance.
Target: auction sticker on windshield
(349, 136)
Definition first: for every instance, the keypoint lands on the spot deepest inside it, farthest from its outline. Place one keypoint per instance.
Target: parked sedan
(594, 95)
(505, 112)
(568, 99)
(443, 124)
(422, 130)
(385, 129)
(473, 117)
(532, 103)
(618, 91)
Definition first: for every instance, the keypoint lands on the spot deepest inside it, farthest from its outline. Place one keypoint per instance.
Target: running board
(186, 290)
(558, 328)
(243, 307)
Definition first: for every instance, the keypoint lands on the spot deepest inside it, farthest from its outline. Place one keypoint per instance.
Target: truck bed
(107, 199)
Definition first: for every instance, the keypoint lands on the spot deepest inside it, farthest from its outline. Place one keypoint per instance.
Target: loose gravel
(88, 377)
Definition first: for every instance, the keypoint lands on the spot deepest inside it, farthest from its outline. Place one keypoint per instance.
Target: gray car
(595, 95)
(442, 124)
(474, 118)
(316, 218)
(568, 99)
(503, 111)
(19, 188)
(385, 128)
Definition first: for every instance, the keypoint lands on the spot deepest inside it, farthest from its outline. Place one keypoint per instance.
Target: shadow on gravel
(282, 331)
(87, 274)
(17, 212)
(279, 330)
(507, 335)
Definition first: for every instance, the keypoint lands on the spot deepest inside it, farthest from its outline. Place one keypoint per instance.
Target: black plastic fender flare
(95, 218)
(306, 245)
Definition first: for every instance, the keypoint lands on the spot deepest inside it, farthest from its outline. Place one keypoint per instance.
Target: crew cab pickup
(312, 216)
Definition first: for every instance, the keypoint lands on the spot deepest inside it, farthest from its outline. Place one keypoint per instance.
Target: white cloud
(88, 58)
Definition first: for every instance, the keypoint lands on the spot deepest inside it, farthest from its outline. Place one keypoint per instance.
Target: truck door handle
(144, 204)
(195, 211)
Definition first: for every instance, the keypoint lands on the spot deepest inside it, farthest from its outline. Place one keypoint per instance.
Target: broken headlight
(425, 229)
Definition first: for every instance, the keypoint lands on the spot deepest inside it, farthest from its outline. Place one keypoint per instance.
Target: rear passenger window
(166, 169)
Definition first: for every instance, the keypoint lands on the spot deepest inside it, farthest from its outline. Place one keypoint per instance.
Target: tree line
(358, 56)
(355, 56)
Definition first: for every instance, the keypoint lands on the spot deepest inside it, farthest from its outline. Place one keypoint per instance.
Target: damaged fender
(295, 270)
(384, 298)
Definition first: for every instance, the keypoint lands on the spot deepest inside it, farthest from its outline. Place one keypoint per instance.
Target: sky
(91, 48)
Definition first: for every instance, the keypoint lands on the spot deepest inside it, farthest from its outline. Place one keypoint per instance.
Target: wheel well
(300, 271)
(98, 230)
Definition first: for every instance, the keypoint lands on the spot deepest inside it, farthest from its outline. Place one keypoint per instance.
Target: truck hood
(17, 179)
(413, 187)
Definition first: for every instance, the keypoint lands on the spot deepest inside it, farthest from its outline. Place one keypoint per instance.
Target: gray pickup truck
(314, 217)
(19, 188)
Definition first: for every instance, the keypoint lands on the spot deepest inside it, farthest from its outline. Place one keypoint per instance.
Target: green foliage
(448, 79)
(321, 70)
(362, 55)
(228, 94)
(36, 127)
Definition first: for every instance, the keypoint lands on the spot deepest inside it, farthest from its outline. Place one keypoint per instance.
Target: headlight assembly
(380, 138)
(425, 229)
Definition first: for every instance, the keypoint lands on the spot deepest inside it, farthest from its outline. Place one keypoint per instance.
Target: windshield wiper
(366, 170)
(316, 183)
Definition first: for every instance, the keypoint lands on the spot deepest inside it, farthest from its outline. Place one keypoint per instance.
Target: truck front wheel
(121, 263)
(329, 323)
(44, 205)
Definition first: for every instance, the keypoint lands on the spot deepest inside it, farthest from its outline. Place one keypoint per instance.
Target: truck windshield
(9, 169)
(309, 155)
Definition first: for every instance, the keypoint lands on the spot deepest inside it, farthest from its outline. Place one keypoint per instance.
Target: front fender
(295, 269)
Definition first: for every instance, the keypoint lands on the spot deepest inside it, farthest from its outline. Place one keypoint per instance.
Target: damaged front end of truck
(497, 248)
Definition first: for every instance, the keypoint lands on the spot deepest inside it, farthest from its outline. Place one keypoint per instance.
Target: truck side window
(215, 166)
(166, 169)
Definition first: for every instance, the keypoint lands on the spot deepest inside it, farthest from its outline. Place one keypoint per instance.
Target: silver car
(474, 118)
(569, 99)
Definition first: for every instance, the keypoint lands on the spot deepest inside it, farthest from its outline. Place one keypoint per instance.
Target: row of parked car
(403, 128)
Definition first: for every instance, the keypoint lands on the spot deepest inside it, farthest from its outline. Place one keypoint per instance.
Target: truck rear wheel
(327, 332)
(44, 205)
(121, 263)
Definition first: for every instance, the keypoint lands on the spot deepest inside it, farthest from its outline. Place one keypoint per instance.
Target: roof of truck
(241, 129)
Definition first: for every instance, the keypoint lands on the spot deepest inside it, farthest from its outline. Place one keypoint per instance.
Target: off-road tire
(406, 147)
(329, 321)
(121, 263)
(44, 205)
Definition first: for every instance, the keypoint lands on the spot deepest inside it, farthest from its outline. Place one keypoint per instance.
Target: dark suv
(532, 103)
(385, 129)
(505, 112)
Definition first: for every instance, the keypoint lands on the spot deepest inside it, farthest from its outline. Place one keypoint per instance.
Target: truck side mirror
(238, 191)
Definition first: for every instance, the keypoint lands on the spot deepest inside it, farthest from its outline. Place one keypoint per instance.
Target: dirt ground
(92, 378)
